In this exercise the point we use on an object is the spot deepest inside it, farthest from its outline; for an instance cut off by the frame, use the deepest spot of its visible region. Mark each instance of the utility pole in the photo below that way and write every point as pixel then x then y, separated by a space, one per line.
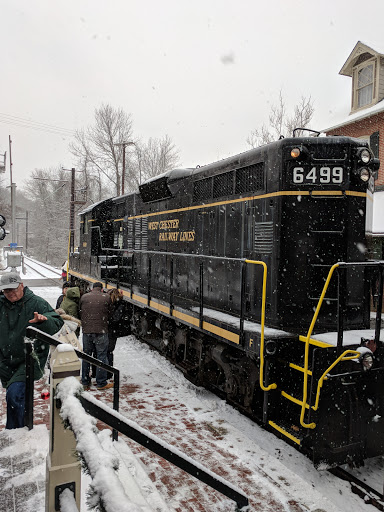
pixel 72 213
pixel 124 145
pixel 13 194
pixel 72 203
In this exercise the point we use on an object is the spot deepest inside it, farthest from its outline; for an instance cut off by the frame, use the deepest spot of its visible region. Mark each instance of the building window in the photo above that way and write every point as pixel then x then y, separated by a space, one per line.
pixel 364 89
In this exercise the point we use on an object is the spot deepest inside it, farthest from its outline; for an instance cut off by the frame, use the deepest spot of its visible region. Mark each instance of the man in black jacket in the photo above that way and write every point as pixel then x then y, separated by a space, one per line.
pixel 95 311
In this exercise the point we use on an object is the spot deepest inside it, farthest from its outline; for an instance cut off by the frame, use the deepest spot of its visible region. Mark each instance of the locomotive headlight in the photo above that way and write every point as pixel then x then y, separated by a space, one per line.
pixel 295 153
pixel 366 361
pixel 364 174
pixel 365 156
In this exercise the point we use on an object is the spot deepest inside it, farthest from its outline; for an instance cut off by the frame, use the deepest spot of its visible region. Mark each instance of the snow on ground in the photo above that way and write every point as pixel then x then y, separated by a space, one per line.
pixel 157 396
pixel 270 460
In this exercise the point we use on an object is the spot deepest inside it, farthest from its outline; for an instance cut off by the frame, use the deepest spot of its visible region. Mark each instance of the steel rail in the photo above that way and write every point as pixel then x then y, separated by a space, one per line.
pixel 370 495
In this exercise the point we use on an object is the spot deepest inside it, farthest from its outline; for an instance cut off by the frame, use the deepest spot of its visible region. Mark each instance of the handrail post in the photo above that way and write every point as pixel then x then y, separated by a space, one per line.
pixel 29 385
pixel 263 303
pixel 132 277
pixel 116 399
pixel 201 308
pixel 63 465
pixel 149 277
pixel 379 306
pixel 341 301
pixel 242 300
pixel 171 289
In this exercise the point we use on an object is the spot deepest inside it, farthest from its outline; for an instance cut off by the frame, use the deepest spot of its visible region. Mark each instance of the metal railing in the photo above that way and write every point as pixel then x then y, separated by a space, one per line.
pixel 341 310
pixel 118 423
pixel 34 333
pixel 201 257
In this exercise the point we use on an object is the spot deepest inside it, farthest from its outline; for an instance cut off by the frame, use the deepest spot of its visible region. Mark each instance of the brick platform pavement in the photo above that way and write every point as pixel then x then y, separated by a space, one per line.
pixel 172 422
pixel 20 457
pixel 169 419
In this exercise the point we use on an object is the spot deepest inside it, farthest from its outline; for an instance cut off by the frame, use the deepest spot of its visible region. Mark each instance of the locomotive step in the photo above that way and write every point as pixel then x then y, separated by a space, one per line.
pixel 288 429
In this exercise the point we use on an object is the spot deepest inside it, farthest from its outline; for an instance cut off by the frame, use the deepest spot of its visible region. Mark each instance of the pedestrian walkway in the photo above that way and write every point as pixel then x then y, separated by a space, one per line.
pixel 23 458
pixel 146 476
pixel 23 455
pixel 160 400
pixel 22 476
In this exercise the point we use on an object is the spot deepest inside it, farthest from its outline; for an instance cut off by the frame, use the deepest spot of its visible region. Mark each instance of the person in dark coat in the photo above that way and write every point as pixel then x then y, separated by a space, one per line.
pixel 66 285
pixel 114 325
pixel 20 308
pixel 95 310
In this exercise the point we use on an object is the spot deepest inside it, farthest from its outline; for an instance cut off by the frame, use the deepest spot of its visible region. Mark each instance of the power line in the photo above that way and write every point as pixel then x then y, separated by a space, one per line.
pixel 63 134
pixel 17 118
pixel 35 125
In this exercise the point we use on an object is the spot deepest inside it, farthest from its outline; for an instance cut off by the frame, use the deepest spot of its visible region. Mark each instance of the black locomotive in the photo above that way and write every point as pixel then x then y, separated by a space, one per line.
pixel 251 275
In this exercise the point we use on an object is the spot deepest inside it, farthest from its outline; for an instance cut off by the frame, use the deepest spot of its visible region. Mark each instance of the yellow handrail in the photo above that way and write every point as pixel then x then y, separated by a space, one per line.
pixel 264 293
pixel 342 357
pixel 306 353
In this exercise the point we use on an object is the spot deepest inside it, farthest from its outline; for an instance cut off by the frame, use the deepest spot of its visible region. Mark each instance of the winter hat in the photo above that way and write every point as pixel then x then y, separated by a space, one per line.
pixel 10 280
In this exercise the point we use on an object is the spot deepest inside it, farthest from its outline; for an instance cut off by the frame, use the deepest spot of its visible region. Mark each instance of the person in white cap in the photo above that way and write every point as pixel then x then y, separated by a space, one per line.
pixel 19 308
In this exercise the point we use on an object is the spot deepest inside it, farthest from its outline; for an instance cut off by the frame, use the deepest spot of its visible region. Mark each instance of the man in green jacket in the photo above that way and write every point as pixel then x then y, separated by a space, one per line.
pixel 19 308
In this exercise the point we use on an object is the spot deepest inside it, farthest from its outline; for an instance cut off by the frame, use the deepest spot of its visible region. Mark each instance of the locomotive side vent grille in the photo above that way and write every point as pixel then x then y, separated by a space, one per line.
pixel 249 179
pixel 130 235
pixel 141 234
pixel 202 190
pixel 144 234
pixel 223 184
pixel 137 234
pixel 264 237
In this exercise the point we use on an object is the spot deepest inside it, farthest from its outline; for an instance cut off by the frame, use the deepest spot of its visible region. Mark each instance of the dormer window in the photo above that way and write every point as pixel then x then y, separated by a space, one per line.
pixel 366 67
pixel 365 86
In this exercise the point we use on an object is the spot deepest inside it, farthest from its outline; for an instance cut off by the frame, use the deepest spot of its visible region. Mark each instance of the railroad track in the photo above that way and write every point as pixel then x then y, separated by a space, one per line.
pixel 40 265
pixel 370 495
pixel 32 265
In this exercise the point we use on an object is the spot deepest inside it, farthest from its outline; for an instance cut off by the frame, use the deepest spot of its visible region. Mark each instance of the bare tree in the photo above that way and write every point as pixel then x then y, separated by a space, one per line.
pixel 155 157
pixel 280 124
pixel 49 189
pixel 100 151
pixel 2 190
pixel 97 149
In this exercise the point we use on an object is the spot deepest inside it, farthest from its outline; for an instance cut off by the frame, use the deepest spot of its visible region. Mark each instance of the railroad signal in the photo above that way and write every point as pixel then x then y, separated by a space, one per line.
pixel 3 233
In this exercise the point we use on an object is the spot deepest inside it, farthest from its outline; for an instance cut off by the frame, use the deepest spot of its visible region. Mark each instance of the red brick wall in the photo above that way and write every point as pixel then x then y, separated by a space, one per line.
pixel 366 126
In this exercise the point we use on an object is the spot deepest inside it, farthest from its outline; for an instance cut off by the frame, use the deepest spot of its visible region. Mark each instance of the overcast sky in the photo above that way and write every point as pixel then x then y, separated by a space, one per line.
pixel 205 72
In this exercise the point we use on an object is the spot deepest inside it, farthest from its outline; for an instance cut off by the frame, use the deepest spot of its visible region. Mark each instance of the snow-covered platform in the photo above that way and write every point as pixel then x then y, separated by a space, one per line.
pixel 23 468
pixel 273 475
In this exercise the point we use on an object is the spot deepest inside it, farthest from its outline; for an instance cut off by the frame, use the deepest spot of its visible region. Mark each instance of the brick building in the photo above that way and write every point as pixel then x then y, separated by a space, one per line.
pixel 365 65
